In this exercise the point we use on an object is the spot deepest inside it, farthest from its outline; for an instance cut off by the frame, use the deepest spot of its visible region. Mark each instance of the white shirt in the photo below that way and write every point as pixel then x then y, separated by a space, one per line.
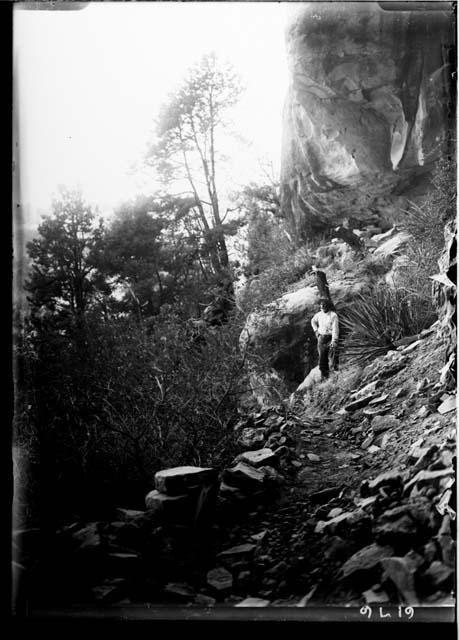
pixel 326 323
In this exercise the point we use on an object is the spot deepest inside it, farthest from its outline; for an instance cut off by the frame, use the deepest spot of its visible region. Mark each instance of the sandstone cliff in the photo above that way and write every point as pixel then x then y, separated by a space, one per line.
pixel 367 112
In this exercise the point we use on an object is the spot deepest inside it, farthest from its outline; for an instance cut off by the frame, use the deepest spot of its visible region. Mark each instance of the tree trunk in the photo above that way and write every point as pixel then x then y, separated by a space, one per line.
pixel 322 285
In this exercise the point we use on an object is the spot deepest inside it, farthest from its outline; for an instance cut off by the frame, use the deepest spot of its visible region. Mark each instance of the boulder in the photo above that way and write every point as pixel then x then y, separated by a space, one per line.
pixel 337 548
pixel 171 509
pixel 443 461
pixel 109 591
pixel 358 404
pixel 390 370
pixel 427 457
pixel 244 477
pixel 440 576
pixel 241 550
pixel 368 441
pixel 365 560
pixel 180 591
pixel 231 493
pixel 324 495
pixel 282 451
pixel 449 404
pixel 128 515
pixel 181 480
pixel 252 439
pixel 335 512
pixel 272 477
pixel 367 390
pixel 219 579
pixel 88 537
pixel 273 423
pixel 401 572
pixel 258 537
pixel 253 602
pixel 395 532
pixel 430 551
pixel 373 449
pixel 392 478
pixel 430 478
pixel 202 600
pixel 448 550
pixel 379 399
pixel 383 439
pixel 258 458
pixel 344 521
pixel 279 569
pixel 372 412
pixel 129 534
pixel 382 423
pixel 416 454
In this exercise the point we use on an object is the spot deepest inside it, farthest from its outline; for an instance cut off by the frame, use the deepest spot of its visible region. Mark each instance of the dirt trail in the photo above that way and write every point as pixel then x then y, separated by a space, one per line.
pixel 294 558
pixel 290 556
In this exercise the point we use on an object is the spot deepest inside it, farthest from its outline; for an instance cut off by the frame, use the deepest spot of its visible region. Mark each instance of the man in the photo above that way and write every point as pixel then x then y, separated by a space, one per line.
pixel 326 327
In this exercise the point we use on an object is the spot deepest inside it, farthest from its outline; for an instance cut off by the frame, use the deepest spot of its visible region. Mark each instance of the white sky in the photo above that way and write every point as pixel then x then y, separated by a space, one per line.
pixel 90 82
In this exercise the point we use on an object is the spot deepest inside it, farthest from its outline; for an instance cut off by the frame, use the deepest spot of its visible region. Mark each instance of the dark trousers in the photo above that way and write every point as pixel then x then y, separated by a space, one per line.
pixel 327 355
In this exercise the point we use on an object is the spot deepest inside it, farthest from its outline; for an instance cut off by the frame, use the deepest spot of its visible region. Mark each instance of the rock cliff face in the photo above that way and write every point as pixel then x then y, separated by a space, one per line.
pixel 367 111
pixel 284 333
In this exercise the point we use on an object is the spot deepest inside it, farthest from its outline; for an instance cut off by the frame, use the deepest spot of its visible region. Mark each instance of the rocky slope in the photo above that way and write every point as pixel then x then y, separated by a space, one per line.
pixel 365 116
pixel 345 499
pixel 281 332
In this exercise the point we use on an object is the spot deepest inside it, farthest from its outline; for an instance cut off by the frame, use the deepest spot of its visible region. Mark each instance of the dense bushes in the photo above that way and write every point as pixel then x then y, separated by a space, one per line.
pixel 102 420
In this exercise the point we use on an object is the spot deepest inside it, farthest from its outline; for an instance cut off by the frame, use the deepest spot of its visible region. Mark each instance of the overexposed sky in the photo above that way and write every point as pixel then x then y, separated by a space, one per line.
pixel 89 83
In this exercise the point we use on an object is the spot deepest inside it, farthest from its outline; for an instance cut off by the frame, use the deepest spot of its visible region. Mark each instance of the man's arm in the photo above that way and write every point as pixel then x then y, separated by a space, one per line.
pixel 335 330
pixel 315 323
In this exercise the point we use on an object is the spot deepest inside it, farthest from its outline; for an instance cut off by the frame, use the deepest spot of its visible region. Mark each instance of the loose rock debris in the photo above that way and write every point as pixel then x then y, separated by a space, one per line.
pixel 352 506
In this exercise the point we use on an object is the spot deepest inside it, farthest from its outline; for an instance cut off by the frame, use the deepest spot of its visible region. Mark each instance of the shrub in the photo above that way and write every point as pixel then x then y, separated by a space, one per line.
pixel 102 421
pixel 426 221
pixel 377 320
pixel 374 266
pixel 275 281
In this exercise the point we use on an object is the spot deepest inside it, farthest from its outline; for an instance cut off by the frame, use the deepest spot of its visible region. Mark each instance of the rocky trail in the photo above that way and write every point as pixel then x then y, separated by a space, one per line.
pixel 347 505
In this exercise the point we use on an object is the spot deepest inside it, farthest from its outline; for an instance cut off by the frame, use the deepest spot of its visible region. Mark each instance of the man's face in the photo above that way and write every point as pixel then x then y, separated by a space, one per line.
pixel 322 306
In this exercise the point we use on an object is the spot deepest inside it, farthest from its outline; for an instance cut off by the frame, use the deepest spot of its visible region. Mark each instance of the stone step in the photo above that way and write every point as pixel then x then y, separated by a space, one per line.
pixel 182 480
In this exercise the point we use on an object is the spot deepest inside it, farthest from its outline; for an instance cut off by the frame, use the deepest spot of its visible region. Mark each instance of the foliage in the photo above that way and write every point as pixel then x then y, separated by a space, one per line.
pixel 265 236
pixel 337 255
pixel 375 321
pixel 275 280
pixel 154 254
pixel 186 149
pixel 374 266
pixel 102 422
pixel 65 275
pixel 426 221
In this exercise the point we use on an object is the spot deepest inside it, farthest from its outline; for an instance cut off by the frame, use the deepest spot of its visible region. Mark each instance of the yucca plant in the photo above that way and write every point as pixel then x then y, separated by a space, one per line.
pixel 377 320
